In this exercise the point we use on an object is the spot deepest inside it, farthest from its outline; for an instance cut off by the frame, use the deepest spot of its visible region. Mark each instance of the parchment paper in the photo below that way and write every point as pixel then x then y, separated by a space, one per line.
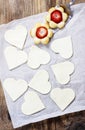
pixel 76 28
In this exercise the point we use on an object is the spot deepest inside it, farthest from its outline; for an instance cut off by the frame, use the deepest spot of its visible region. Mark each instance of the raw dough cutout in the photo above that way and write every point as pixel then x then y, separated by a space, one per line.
pixel 40 82
pixel 32 103
pixel 17 36
pixel 14 57
pixel 15 88
pixel 63 46
pixel 37 57
pixel 62 71
pixel 62 97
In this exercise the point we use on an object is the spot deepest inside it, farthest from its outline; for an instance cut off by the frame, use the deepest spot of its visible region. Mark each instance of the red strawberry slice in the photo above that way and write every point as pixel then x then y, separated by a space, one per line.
pixel 41 32
pixel 56 16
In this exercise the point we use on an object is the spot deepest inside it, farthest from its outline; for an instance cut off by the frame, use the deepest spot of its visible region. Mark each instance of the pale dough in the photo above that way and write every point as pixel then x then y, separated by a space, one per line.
pixel 16 36
pixel 40 82
pixel 62 97
pixel 63 46
pixel 15 88
pixel 14 57
pixel 62 71
pixel 32 103
pixel 37 57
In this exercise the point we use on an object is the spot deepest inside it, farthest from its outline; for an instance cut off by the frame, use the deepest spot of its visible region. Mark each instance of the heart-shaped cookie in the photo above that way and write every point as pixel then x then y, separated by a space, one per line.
pixel 62 97
pixel 62 71
pixel 40 82
pixel 32 103
pixel 37 57
pixel 15 88
pixel 63 46
pixel 17 36
pixel 14 57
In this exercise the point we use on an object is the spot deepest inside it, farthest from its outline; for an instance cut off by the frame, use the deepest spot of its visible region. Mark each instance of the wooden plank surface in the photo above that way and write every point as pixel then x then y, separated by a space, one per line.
pixel 14 9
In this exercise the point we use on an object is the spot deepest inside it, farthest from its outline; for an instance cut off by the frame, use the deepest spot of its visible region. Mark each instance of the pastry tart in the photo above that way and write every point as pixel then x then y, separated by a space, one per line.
pixel 41 33
pixel 56 17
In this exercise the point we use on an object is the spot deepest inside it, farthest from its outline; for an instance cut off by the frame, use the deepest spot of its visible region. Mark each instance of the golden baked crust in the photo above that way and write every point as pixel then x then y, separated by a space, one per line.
pixel 38 40
pixel 51 23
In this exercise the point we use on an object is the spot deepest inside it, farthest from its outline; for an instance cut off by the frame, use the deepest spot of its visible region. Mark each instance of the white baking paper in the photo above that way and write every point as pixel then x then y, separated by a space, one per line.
pixel 76 28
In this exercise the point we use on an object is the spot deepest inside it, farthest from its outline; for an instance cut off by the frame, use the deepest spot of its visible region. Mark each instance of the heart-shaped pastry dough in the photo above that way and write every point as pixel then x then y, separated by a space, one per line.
pixel 15 88
pixel 17 36
pixel 40 82
pixel 14 57
pixel 63 71
pixel 37 57
pixel 32 103
pixel 63 46
pixel 62 97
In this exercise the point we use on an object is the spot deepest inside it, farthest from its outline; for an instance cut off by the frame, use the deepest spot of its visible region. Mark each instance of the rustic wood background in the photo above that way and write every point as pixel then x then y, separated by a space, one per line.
pixel 14 9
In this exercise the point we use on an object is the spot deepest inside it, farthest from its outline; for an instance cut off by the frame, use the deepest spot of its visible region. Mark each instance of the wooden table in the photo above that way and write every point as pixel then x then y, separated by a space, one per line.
pixel 14 9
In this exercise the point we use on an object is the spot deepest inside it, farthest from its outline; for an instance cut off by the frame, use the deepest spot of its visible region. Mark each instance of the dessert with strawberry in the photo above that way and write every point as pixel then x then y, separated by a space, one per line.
pixel 41 33
pixel 56 17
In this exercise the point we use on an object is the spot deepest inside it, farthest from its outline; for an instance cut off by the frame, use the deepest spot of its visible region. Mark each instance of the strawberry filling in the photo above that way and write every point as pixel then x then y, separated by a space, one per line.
pixel 56 16
pixel 41 32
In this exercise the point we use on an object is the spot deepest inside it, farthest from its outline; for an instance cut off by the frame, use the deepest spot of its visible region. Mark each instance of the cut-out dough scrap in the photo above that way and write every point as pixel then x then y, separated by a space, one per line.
pixel 17 36
pixel 40 82
pixel 62 97
pixel 14 57
pixel 62 71
pixel 37 57
pixel 15 88
pixel 32 103
pixel 63 46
